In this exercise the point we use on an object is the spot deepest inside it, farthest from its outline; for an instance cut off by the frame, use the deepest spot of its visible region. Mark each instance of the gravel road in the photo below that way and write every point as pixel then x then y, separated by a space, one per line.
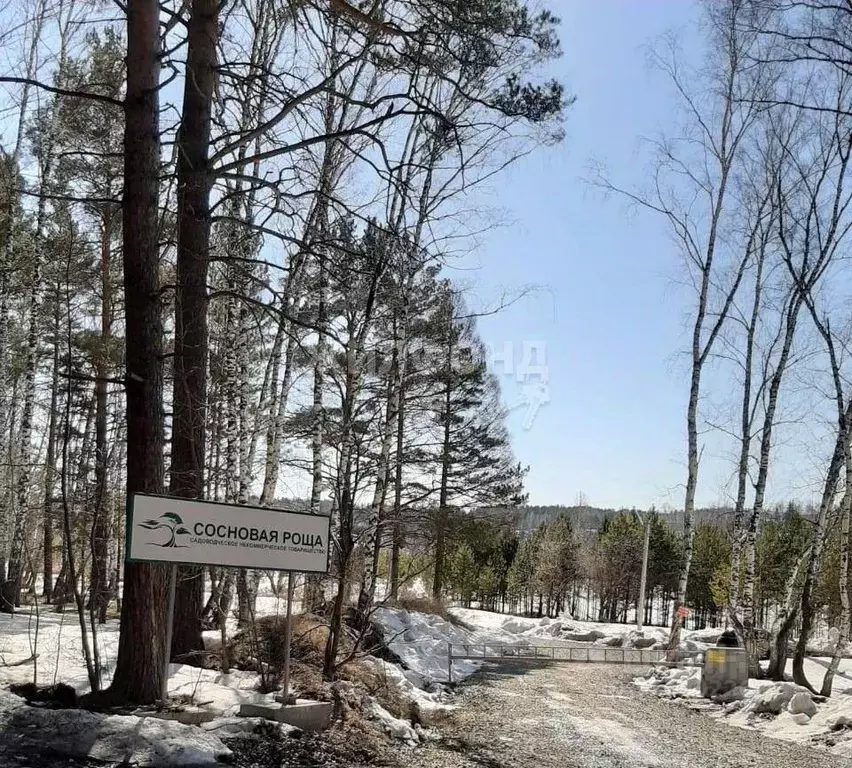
pixel 589 716
pixel 561 716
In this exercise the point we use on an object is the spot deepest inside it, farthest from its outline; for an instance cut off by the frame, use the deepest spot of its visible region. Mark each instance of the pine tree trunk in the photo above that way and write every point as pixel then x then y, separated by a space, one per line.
pixel 141 651
pixel 344 553
pixel 373 543
pixel 313 596
pixel 396 536
pixel 50 461
pixel 443 500
pixel 193 259
pixel 101 524
pixel 246 580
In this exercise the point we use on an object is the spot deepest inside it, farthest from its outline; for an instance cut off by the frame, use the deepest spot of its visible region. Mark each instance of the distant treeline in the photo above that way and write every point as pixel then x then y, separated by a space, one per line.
pixel 587 518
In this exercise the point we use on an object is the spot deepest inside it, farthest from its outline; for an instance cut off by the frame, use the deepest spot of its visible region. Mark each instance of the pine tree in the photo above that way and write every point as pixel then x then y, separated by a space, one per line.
pixel 473 456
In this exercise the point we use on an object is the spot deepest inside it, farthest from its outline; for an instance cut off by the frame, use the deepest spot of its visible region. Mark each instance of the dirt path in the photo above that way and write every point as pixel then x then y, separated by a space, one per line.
pixel 583 716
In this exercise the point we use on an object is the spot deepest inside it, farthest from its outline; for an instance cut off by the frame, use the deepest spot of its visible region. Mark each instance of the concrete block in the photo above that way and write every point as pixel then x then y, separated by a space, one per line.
pixel 187 715
pixel 307 715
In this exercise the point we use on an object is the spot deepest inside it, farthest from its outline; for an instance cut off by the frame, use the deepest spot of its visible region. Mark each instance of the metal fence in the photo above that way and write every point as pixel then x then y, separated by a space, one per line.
pixel 505 652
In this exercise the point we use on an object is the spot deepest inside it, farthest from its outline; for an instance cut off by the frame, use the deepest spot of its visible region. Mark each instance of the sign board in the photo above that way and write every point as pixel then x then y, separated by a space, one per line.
pixel 683 612
pixel 167 529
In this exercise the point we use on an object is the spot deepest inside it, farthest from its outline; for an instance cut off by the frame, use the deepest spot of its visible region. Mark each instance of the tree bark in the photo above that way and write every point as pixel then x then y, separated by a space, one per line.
pixel 843 639
pixel 141 648
pixel 443 499
pixel 101 523
pixel 820 529
pixel 186 475
pixel 50 459
pixel 373 543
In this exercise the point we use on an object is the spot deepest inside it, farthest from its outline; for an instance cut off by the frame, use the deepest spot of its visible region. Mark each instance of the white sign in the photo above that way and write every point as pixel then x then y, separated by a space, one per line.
pixel 172 530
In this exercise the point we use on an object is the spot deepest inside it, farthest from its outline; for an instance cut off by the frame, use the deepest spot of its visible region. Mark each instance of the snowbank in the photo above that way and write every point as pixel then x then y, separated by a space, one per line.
pixel 781 710
pixel 76 733
pixel 142 741
pixel 505 628
pixel 60 660
pixel 420 640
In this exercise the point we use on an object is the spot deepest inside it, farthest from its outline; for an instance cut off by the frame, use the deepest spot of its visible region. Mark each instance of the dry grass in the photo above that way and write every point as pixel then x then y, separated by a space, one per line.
pixel 425 605
pixel 309 637
pixel 433 607
pixel 267 645
pixel 369 680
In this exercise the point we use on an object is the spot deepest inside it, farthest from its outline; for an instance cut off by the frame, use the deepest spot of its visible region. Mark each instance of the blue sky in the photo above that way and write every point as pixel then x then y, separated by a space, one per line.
pixel 608 310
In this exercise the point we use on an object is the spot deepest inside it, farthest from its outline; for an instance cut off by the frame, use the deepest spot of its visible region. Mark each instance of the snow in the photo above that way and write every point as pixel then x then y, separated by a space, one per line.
pixel 210 688
pixel 503 628
pixel 781 710
pixel 58 645
pixel 142 741
pixel 398 729
pixel 61 660
pixel 420 640
pixel 410 684
pixel 78 733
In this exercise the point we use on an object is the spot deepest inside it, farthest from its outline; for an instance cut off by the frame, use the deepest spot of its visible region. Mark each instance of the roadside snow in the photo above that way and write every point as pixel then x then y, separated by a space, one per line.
pixel 60 660
pixel 142 741
pixel 781 710
pixel 410 684
pixel 505 628
pixel 420 640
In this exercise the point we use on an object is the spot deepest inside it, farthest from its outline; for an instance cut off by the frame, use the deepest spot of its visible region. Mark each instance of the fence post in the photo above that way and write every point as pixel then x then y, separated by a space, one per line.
pixel 449 662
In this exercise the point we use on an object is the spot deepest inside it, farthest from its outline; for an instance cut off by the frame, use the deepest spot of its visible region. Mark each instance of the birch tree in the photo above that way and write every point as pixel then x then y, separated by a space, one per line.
pixel 692 189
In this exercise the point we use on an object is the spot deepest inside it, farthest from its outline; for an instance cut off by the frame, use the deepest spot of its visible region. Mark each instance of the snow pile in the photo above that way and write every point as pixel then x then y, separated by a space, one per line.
pixel 672 682
pixel 503 628
pixel 209 688
pixel 142 741
pixel 393 726
pixel 411 685
pixel 420 640
pixel 782 710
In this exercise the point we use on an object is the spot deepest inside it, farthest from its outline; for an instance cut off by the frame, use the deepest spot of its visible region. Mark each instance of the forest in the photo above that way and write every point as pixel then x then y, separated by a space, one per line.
pixel 224 229
pixel 563 569
pixel 227 232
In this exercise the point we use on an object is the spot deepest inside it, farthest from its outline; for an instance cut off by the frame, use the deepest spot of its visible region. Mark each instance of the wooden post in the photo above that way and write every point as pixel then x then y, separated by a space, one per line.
pixel 449 662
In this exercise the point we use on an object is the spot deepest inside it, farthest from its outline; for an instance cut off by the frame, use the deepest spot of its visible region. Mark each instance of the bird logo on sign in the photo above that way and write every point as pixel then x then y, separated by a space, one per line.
pixel 171 522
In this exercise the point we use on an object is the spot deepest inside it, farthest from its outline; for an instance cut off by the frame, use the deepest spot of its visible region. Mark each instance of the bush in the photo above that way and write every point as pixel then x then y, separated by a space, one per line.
pixel 425 605
pixel 266 645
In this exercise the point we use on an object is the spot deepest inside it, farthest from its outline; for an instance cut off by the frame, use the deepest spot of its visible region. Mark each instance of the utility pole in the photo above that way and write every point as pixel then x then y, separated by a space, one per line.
pixel 640 604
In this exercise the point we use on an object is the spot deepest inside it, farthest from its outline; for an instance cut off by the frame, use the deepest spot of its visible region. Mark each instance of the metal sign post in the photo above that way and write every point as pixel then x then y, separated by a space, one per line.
pixel 288 634
pixel 170 628
pixel 176 531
